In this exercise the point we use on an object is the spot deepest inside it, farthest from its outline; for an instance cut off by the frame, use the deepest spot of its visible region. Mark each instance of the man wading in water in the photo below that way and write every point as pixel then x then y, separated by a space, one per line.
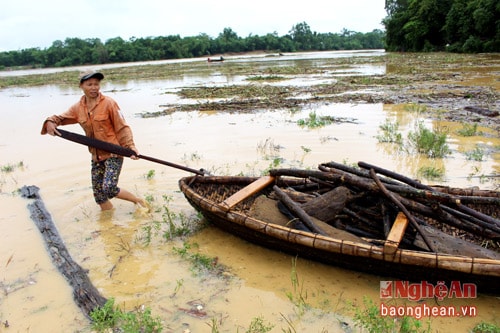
pixel 100 118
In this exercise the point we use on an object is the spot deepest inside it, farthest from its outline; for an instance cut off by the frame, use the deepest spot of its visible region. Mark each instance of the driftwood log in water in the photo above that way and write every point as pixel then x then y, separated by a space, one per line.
pixel 85 294
pixel 482 111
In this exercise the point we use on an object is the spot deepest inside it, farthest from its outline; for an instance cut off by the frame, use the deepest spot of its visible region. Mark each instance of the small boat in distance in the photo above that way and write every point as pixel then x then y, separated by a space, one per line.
pixel 361 220
pixel 216 59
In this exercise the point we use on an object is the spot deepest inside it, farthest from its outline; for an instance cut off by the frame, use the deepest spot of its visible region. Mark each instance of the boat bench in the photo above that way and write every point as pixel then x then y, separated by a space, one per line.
pixel 396 234
pixel 247 191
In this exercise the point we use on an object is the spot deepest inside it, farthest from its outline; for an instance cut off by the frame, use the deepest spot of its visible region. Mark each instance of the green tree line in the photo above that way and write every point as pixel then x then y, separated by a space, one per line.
pixel 469 26
pixel 76 51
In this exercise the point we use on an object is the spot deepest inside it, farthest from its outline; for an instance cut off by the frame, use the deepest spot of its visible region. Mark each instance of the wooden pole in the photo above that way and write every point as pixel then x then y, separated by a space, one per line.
pixel 403 209
pixel 299 212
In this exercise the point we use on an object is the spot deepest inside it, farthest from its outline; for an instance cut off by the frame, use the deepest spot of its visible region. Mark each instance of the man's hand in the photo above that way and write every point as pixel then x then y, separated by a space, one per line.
pixel 52 128
pixel 136 156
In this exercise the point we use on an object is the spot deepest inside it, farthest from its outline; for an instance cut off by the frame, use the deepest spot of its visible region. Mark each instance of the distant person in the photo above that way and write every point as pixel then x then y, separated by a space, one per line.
pixel 100 118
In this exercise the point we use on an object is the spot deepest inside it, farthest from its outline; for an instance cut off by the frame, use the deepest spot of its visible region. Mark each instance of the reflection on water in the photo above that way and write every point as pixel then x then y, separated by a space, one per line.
pixel 111 245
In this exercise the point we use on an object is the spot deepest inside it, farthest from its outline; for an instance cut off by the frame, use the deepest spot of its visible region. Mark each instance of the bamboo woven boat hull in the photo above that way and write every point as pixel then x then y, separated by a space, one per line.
pixel 209 195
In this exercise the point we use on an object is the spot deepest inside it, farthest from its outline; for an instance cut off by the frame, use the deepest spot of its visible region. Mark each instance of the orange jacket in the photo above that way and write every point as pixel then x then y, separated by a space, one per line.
pixel 104 122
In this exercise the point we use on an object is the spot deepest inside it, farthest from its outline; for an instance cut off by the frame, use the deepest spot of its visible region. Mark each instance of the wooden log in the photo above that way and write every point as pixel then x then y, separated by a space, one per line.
pixel 396 234
pixel 466 222
pixel 476 227
pixel 445 243
pixel 394 175
pixel 247 191
pixel 333 166
pixel 298 211
pixel 469 191
pixel 386 221
pixel 362 183
pixel 86 296
pixel 430 193
pixel 297 196
pixel 369 225
pixel 269 210
pixel 487 223
pixel 327 206
pixel 482 111
pixel 403 209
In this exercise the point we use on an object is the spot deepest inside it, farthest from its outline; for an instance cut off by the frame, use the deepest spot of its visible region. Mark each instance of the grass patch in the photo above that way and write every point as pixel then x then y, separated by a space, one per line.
pixel 390 133
pixel 415 108
pixel 258 325
pixel 431 173
pixel 431 143
pixel 486 328
pixel 468 130
pixel 316 121
pixel 246 91
pixel 200 262
pixel 266 78
pixel 298 296
pixel 7 168
pixel 150 174
pixel 369 318
pixel 111 318
pixel 170 224
pixel 477 154
pixel 268 149
pixel 274 164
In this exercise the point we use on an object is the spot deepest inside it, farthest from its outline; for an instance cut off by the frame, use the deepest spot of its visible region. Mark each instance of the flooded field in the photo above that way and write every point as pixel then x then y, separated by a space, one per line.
pixel 255 282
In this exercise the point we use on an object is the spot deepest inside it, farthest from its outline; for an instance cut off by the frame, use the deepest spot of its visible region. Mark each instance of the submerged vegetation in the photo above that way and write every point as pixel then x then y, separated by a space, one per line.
pixel 431 143
pixel 315 121
pixel 369 318
pixel 486 328
pixel 111 317
pixel 390 133
pixel 430 139
pixel 419 140
pixel 7 168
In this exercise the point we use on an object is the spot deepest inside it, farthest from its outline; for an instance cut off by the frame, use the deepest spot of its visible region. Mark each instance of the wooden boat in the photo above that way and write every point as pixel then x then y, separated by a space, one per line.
pixel 364 219
pixel 220 59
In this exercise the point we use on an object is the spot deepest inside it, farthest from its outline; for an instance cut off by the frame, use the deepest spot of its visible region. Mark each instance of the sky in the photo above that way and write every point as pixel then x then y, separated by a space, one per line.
pixel 34 23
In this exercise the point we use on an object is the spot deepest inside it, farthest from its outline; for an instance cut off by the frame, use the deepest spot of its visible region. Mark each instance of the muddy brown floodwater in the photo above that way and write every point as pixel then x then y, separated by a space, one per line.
pixel 256 283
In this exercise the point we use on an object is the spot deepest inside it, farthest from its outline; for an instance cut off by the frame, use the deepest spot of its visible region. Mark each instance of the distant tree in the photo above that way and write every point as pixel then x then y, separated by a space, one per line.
pixel 99 53
pixel 76 51
pixel 373 40
pixel 302 36
pixel 228 41
pixel 434 25
pixel 116 48
pixel 198 46
pixel 393 7
pixel 473 26
pixel 55 53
